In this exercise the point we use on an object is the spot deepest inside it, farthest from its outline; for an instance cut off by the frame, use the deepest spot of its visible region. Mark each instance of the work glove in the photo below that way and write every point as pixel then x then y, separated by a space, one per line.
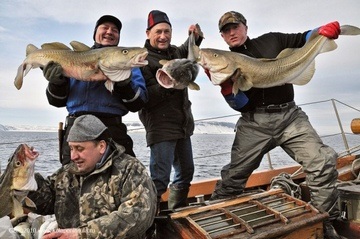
pixel 330 30
pixel 53 72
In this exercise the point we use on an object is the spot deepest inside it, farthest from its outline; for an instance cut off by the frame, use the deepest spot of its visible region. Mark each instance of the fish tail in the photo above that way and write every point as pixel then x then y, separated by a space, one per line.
pixel 349 30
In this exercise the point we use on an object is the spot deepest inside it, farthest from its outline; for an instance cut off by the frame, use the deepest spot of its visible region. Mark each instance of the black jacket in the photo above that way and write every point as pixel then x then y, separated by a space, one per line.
pixel 269 46
pixel 167 115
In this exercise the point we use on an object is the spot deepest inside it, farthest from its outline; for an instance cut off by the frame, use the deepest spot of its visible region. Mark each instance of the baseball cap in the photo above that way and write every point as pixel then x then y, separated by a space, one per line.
pixel 231 17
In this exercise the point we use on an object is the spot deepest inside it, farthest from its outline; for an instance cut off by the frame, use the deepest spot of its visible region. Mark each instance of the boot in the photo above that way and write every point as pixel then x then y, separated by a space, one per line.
pixel 330 232
pixel 177 197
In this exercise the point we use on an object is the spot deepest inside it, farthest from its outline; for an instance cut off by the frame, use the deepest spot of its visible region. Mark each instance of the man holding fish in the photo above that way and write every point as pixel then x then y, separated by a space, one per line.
pixel 102 193
pixel 270 118
pixel 92 97
pixel 167 115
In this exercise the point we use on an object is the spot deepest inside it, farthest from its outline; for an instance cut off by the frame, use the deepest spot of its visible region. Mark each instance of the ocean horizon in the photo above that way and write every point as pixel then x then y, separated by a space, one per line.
pixel 211 151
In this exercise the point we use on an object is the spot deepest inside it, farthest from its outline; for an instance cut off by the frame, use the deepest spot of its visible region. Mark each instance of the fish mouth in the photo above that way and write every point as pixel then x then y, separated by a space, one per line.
pixel 140 59
pixel 30 152
pixel 164 79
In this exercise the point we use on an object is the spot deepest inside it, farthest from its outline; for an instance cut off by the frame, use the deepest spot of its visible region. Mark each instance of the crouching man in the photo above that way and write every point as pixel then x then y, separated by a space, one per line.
pixel 102 193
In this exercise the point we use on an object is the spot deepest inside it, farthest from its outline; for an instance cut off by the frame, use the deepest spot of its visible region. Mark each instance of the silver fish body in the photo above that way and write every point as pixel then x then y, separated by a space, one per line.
pixel 295 66
pixel 84 63
pixel 181 73
pixel 17 179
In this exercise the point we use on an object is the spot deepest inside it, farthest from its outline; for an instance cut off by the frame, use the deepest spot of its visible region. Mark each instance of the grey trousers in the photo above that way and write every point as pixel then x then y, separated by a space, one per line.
pixel 258 133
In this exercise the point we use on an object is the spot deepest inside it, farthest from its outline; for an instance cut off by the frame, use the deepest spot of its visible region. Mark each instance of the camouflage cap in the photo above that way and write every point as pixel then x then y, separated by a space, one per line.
pixel 231 17
pixel 86 128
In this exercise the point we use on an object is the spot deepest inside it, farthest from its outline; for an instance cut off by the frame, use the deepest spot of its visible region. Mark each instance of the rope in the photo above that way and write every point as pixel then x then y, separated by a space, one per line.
pixel 284 181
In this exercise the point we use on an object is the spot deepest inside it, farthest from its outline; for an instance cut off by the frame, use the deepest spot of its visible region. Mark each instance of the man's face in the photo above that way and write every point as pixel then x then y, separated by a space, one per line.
pixel 87 154
pixel 107 34
pixel 160 36
pixel 234 34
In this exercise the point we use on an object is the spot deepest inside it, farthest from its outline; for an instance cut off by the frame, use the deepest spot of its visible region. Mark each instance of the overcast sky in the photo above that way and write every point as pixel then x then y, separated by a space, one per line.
pixel 40 21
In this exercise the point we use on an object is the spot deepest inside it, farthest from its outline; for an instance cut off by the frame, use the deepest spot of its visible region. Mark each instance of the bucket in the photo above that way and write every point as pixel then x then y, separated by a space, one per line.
pixel 349 203
pixel 355 126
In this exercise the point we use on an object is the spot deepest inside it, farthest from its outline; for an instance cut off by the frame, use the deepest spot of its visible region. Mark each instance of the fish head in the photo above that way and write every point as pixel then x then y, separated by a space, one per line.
pixel 177 73
pixel 122 58
pixel 22 166
pixel 219 64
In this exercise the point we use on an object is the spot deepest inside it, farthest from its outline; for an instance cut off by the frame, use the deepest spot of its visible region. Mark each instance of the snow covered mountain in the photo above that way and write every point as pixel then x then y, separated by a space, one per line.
pixel 202 127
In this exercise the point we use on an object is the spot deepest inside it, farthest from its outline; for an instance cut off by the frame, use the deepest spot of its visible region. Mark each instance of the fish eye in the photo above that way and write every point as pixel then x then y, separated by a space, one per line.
pixel 216 55
pixel 125 51
pixel 17 163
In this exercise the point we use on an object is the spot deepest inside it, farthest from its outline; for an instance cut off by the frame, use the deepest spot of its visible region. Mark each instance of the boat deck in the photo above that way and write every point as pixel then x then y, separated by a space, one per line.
pixel 269 214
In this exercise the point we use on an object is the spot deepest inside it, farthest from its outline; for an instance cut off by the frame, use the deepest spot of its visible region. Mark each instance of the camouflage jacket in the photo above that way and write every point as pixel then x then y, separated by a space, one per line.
pixel 117 200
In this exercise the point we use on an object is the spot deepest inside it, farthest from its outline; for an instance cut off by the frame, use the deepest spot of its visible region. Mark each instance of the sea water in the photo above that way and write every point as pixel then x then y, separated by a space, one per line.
pixel 211 151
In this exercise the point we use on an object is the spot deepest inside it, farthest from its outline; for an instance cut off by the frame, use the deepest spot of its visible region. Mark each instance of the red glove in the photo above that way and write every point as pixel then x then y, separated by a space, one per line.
pixel 226 87
pixel 330 30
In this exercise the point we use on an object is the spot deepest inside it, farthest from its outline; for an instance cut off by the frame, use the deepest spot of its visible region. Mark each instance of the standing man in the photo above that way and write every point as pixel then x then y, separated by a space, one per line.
pixel 270 118
pixel 102 193
pixel 90 97
pixel 167 116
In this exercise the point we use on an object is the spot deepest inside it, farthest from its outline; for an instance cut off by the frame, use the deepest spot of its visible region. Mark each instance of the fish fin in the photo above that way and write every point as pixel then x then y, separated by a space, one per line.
pixel 163 62
pixel 193 86
pixel 329 45
pixel 17 209
pixel 21 73
pixel 109 85
pixel 54 46
pixel 19 76
pixel 29 203
pixel 349 30
pixel 78 46
pixel 30 48
pixel 305 76
pixel 243 84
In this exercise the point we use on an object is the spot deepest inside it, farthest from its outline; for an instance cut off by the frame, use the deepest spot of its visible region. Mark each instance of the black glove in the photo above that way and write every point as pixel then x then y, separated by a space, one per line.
pixel 53 72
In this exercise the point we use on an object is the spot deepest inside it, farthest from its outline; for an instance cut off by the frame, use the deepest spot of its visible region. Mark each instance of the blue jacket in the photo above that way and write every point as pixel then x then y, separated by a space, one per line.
pixel 93 97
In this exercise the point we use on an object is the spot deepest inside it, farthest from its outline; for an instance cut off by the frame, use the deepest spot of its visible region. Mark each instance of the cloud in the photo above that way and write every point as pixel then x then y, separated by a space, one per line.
pixel 39 21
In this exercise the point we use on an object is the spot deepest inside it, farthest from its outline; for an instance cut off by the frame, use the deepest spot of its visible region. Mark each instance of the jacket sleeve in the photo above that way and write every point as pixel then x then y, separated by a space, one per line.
pixel 57 95
pixel 136 211
pixel 132 91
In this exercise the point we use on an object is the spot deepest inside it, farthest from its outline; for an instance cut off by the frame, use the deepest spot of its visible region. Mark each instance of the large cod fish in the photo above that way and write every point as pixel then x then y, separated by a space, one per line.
pixel 17 179
pixel 181 73
pixel 83 63
pixel 292 65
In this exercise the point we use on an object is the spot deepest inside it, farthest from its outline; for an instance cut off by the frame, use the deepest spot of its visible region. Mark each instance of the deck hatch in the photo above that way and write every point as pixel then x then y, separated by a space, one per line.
pixel 244 218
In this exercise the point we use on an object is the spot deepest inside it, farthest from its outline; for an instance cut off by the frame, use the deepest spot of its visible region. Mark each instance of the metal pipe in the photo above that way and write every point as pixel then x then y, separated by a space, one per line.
pixel 340 125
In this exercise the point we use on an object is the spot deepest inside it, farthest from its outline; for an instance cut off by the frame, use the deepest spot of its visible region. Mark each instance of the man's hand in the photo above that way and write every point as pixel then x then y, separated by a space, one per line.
pixel 70 233
pixel 330 30
pixel 53 72
pixel 197 31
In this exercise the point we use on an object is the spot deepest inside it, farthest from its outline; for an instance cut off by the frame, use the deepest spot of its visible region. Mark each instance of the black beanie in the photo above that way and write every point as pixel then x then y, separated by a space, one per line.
pixel 107 18
pixel 155 17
